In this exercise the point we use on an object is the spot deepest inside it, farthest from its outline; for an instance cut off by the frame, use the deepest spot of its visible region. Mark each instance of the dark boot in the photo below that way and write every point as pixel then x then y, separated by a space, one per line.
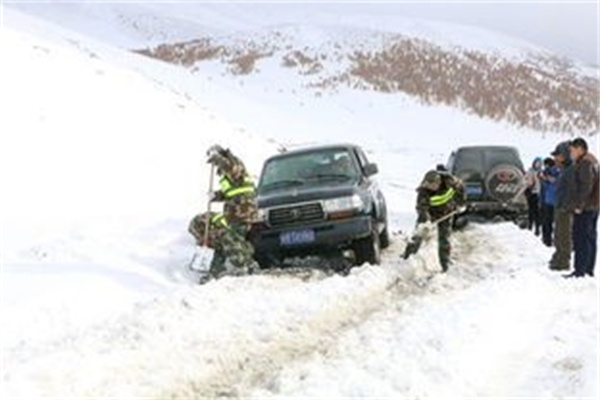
pixel 561 259
pixel 573 275
pixel 559 266
pixel 445 266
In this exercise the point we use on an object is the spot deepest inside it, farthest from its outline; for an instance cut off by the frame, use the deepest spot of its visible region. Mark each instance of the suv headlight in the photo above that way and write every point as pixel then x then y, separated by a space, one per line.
pixel 347 203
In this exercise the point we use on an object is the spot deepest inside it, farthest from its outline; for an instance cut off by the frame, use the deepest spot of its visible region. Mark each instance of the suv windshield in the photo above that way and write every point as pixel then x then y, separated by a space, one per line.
pixel 302 168
pixel 483 160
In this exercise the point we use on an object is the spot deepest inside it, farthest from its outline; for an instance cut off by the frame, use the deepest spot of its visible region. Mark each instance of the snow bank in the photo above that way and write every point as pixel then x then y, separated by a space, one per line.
pixel 101 170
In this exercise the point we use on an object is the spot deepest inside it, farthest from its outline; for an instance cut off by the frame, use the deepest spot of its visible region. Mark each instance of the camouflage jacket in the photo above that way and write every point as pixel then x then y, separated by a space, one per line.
pixel 432 205
pixel 236 190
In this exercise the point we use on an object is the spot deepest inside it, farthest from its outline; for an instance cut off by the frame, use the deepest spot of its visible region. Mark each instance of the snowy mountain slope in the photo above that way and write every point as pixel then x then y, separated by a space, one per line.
pixel 481 72
pixel 101 171
pixel 95 297
pixel 399 133
pixel 538 90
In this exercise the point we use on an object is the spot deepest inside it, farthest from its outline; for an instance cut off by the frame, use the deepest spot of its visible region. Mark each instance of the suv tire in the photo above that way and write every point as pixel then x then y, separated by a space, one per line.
pixel 267 261
pixel 368 250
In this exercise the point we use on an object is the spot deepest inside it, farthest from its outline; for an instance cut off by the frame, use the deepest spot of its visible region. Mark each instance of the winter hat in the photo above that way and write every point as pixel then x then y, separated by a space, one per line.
pixel 562 148
pixel 432 179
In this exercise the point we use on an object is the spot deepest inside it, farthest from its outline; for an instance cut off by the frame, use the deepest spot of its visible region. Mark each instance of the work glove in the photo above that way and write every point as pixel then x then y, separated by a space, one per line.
pixel 423 217
pixel 217 196
pixel 424 229
pixel 215 159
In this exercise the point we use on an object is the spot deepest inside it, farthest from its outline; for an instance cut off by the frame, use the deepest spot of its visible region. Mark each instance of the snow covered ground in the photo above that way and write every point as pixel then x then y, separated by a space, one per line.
pixel 102 165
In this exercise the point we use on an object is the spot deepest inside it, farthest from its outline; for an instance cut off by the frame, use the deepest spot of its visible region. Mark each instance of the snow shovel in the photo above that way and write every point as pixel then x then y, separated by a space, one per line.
pixel 422 230
pixel 204 255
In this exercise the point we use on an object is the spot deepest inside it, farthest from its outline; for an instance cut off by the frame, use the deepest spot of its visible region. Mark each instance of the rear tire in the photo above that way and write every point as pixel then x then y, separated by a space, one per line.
pixel 384 238
pixel 267 261
pixel 522 222
pixel 368 250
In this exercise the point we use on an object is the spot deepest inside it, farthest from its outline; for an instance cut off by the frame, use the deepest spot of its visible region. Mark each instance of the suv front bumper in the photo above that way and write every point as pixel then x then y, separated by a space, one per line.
pixel 328 235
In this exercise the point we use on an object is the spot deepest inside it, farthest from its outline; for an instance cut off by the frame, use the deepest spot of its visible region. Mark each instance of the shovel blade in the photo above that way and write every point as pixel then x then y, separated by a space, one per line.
pixel 202 259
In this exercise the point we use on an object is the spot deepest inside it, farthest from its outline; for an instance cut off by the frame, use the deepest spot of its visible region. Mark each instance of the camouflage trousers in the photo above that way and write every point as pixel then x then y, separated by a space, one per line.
pixel 444 246
pixel 232 251
pixel 444 229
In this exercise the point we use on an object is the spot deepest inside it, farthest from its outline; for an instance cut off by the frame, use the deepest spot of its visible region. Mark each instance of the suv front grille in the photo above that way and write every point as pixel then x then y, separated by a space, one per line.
pixel 295 214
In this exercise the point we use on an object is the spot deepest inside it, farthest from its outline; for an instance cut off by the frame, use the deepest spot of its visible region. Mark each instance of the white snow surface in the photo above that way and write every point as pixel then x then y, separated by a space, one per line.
pixel 102 166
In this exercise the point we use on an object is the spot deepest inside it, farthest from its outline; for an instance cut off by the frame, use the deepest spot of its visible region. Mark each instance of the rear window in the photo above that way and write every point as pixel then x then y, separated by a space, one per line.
pixel 483 160
pixel 467 160
pixel 502 156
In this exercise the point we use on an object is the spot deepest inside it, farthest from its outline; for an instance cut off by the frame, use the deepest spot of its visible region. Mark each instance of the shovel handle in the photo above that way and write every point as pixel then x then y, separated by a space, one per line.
pixel 445 217
pixel 211 180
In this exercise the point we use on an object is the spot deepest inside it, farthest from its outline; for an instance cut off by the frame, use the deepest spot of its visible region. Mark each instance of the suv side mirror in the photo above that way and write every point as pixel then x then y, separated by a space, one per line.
pixel 371 169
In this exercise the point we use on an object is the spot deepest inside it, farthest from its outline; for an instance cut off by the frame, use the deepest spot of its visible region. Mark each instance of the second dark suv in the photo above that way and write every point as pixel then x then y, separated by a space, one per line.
pixel 319 201
pixel 494 181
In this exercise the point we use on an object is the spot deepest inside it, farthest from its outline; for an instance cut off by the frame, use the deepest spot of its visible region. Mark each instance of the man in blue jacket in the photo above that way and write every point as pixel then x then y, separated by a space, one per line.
pixel 548 179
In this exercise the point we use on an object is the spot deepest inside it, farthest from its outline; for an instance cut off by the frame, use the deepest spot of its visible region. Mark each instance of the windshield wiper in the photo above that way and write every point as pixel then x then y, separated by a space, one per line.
pixel 285 182
pixel 332 176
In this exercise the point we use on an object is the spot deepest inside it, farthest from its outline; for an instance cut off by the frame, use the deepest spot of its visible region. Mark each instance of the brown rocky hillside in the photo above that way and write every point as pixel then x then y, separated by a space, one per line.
pixel 542 92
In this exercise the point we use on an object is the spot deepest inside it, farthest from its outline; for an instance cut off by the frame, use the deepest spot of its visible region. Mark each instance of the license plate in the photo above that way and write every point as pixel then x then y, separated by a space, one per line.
pixel 294 238
pixel 474 190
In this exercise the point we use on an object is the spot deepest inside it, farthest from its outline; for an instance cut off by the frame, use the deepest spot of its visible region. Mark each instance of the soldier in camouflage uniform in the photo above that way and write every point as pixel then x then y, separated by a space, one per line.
pixel 232 251
pixel 237 190
pixel 439 194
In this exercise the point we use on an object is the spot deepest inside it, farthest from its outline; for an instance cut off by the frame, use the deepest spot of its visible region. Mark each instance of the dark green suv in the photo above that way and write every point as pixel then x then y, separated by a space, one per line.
pixel 320 201
pixel 494 181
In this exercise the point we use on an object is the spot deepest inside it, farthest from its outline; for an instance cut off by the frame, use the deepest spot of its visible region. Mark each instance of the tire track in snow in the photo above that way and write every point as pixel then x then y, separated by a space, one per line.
pixel 490 339
pixel 260 366
pixel 225 337
pixel 198 343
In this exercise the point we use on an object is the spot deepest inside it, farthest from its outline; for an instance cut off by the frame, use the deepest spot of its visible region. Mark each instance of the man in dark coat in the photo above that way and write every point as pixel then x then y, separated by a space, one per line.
pixel 563 208
pixel 585 207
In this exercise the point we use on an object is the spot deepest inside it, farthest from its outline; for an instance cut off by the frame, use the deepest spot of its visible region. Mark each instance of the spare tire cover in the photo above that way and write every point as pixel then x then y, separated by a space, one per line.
pixel 505 182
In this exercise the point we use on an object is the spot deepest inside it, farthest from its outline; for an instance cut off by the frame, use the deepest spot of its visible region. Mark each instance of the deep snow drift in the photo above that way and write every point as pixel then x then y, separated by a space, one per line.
pixel 102 165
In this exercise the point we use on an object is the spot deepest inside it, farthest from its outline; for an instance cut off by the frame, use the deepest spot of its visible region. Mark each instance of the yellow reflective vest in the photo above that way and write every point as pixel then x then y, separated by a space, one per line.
pixel 219 219
pixel 443 198
pixel 229 190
